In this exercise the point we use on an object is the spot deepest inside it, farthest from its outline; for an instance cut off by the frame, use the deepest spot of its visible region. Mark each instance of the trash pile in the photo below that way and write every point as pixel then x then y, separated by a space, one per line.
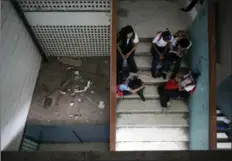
pixel 74 86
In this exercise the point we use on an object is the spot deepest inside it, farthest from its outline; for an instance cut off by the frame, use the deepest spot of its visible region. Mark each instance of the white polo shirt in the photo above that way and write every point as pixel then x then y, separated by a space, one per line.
pixel 161 42
pixel 136 39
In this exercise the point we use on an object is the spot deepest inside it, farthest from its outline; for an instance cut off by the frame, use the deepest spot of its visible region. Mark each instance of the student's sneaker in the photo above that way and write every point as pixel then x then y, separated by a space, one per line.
pixel 164 75
pixel 154 75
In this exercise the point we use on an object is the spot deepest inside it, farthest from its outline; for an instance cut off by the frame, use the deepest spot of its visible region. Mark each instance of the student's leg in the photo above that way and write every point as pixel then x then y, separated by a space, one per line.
pixel 155 61
pixel 125 93
pixel 141 95
pixel 119 62
pixel 131 63
pixel 167 62
pixel 177 66
pixel 190 6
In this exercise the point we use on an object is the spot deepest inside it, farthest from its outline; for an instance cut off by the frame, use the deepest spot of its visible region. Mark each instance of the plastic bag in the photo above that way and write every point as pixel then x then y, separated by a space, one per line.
pixel 125 64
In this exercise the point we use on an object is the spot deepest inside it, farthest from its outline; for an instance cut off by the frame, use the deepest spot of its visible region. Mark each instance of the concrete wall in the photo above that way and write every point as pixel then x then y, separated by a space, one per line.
pixel 224 40
pixel 199 101
pixel 86 147
pixel 224 97
pixel 19 66
pixel 64 133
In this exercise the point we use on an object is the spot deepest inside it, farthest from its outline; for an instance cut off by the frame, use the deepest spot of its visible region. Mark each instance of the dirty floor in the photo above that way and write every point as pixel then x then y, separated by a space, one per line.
pixel 56 99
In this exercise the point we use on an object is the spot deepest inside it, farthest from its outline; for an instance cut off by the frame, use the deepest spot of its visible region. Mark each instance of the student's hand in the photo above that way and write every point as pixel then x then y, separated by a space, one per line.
pixel 123 56
pixel 161 56
pixel 127 55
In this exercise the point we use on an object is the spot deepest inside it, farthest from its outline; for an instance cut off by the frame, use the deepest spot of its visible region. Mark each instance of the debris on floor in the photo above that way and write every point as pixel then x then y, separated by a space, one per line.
pixel 72 93
pixel 71 104
pixel 71 62
pixel 101 105
pixel 47 102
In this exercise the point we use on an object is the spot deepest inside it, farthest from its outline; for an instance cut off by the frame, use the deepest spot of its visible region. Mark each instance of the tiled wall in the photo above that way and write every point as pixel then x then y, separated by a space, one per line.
pixel 19 66
pixel 199 62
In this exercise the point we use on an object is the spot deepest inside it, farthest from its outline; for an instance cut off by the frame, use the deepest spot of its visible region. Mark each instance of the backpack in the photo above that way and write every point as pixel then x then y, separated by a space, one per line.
pixel 119 92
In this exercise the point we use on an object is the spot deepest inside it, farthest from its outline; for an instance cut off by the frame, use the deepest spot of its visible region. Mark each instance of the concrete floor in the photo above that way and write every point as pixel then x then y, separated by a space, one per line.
pixel 85 105
pixel 148 17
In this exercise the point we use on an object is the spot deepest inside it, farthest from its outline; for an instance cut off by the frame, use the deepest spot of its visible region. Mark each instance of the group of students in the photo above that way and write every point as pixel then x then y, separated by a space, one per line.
pixel 167 49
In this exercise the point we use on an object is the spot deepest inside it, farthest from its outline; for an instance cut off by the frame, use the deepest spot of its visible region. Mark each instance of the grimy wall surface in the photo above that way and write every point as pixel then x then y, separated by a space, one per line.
pixel 19 66
pixel 199 101
pixel 224 40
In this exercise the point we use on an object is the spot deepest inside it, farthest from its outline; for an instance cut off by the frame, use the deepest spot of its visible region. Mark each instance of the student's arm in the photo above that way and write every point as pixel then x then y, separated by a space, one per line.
pixel 132 50
pixel 135 41
pixel 136 90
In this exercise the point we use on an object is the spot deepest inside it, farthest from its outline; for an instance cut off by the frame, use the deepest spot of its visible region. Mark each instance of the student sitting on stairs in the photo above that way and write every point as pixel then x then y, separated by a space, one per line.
pixel 127 41
pixel 178 49
pixel 179 87
pixel 159 50
pixel 128 85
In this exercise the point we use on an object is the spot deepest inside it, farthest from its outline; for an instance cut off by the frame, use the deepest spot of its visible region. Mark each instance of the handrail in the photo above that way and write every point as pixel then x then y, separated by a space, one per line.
pixel 212 80
pixel 113 76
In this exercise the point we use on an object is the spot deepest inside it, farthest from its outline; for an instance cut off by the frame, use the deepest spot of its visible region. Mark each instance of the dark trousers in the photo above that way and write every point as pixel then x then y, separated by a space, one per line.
pixel 166 95
pixel 192 4
pixel 169 60
pixel 130 60
pixel 156 59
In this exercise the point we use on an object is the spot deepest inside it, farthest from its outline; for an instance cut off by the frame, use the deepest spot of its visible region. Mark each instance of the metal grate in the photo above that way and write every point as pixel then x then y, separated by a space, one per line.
pixel 65 5
pixel 74 41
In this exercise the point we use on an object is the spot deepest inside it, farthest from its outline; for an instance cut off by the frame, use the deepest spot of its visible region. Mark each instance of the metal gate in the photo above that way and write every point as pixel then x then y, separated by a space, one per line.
pixel 74 28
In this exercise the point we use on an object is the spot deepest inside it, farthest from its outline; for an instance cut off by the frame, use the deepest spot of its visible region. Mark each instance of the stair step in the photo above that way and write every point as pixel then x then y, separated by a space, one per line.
pixel 143 47
pixel 150 146
pixel 146 77
pixel 145 39
pixel 150 91
pixel 144 62
pixel 137 106
pixel 152 120
pixel 221 135
pixel 224 146
pixel 151 134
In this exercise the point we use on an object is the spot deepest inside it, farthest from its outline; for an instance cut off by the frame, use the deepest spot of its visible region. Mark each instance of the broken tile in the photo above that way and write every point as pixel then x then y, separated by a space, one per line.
pixel 71 62
pixel 92 92
pixel 71 104
pixel 76 73
pixel 101 105
pixel 47 102
pixel 63 92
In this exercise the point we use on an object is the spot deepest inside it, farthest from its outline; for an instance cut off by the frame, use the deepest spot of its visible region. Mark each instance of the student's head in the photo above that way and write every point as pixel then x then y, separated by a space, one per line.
pixel 124 74
pixel 128 32
pixel 184 43
pixel 167 36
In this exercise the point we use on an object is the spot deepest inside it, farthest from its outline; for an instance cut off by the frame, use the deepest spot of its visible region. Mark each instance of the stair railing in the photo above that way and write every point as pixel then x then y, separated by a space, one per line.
pixel 113 75
pixel 212 78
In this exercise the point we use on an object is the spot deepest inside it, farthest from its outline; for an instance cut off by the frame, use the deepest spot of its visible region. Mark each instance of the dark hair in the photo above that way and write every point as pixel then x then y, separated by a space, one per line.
pixel 123 33
pixel 167 35
pixel 123 75
pixel 184 43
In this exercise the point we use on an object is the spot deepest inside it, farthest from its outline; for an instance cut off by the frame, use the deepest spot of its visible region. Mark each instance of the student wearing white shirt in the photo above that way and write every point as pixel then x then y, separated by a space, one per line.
pixel 180 46
pixel 127 42
pixel 160 47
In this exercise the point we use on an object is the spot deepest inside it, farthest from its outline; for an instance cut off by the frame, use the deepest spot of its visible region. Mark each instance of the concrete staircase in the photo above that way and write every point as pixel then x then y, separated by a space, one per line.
pixel 143 126
pixel 224 132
